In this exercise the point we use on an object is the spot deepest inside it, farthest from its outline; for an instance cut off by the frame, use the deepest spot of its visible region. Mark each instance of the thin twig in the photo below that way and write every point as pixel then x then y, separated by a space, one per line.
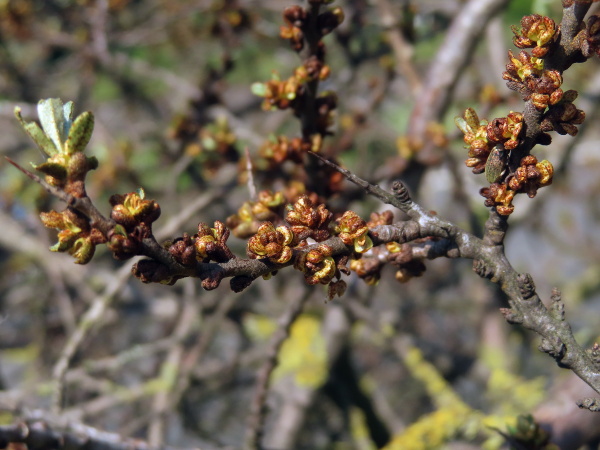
pixel 90 319
pixel 258 408
pixel 402 50
pixel 170 365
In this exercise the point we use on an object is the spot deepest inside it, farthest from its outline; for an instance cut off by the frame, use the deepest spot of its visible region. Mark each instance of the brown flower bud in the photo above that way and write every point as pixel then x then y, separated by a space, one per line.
pixel 536 31
pixel 384 218
pixel 131 209
pixel 353 230
pixel 369 269
pixel 272 243
pixel 182 249
pixel 318 265
pixel 307 221
pixel 75 236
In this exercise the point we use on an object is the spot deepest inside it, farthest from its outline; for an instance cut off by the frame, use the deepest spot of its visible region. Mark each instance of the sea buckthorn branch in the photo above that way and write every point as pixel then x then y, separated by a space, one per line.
pixel 273 246
pixel 489 261
pixel 40 430
pixel 501 148
pixel 205 255
pixel 304 28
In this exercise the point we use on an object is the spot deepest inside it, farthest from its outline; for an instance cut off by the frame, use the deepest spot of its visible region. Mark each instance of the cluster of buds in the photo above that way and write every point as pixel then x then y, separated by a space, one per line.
pixel 564 116
pixel 296 19
pixel 209 244
pixel 279 94
pixel 401 256
pixel 506 130
pixel 353 230
pixel 500 196
pixel 307 220
pixel 215 145
pixel 537 32
pixel 75 236
pixel 250 215
pixel 503 133
pixel 317 265
pixel 277 150
pixel 272 243
pixel 526 74
pixel 134 216
pixel 531 175
pixel 63 141
pixel 476 137
pixel 528 178
pixel 283 94
pixel 368 269
pixel 383 218
pixel 303 27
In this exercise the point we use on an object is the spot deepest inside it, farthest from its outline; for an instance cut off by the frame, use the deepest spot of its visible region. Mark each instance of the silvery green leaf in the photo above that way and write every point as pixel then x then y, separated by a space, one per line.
pixel 52 118
pixel 68 115
pixel 80 133
pixel 462 125
pixel 35 132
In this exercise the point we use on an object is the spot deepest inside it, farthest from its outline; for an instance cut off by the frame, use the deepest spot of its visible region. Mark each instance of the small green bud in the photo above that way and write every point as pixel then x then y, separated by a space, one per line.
pixel 259 89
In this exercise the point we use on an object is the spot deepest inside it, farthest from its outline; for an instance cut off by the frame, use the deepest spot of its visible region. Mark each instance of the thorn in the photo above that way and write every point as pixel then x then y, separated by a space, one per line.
pixel 25 171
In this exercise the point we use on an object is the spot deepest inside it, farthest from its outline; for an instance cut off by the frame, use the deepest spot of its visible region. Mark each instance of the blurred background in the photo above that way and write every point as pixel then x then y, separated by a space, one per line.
pixel 430 362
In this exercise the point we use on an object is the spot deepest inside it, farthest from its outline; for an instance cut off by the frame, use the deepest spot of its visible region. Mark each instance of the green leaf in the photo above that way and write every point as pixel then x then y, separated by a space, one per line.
pixel 80 133
pixel 35 132
pixel 52 117
pixel 55 170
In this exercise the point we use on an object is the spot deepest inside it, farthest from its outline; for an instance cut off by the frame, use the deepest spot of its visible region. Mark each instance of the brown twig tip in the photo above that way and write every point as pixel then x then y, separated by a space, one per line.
pixel 25 171
pixel 239 283
pixel 59 193
pixel 592 404
pixel 526 285
pixel 151 271
pixel 400 191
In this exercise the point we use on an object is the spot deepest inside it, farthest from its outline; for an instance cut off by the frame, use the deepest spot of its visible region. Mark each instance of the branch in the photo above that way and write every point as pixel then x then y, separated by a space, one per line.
pixel 258 411
pixel 489 261
pixel 44 431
